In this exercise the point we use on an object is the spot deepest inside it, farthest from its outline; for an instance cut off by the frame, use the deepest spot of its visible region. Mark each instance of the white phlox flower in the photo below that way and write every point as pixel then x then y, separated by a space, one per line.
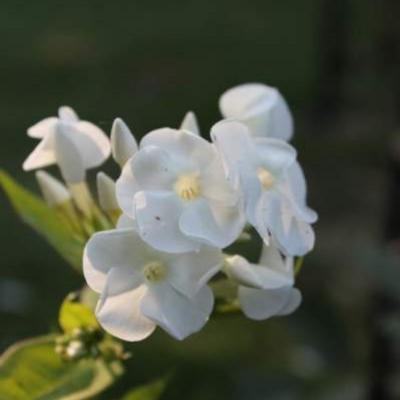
pixel 175 189
pixel 262 108
pixel 89 140
pixel 141 287
pixel 272 184
pixel 265 289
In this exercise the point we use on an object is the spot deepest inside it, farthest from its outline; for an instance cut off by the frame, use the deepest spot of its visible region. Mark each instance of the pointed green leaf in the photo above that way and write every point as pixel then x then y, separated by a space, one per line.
pixel 32 370
pixel 150 391
pixel 44 220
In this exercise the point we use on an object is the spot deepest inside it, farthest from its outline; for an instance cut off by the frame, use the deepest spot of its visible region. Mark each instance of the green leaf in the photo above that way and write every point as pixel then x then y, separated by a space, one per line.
pixel 74 314
pixel 44 220
pixel 32 370
pixel 150 391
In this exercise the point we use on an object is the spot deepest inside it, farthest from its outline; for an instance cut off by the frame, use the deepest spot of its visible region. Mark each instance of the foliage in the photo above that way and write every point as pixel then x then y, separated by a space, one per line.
pixel 33 370
pixel 44 220
pixel 150 391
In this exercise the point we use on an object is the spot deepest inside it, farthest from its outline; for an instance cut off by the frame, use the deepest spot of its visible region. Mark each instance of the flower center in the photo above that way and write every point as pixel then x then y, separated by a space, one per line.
pixel 187 187
pixel 154 271
pixel 265 177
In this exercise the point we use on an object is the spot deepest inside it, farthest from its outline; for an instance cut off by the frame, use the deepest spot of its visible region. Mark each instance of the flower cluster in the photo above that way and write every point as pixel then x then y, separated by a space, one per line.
pixel 179 202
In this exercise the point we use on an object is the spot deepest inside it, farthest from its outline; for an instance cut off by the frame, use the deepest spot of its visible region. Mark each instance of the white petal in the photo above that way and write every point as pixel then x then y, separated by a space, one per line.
pixel 272 258
pixel 157 215
pixel 121 315
pixel 106 192
pixel 154 169
pixel 275 155
pixel 189 272
pixel 123 143
pixel 179 315
pixel 67 114
pixel 257 276
pixel 293 302
pixel 211 223
pixel 261 304
pixel 42 156
pixel 189 123
pixel 120 248
pixel 125 222
pixel 92 142
pixel 43 128
pixel 271 118
pixel 121 279
pixel 299 240
pixel 236 101
pixel 293 236
pixel 281 120
pixel 126 187
pixel 68 155
pixel 215 186
pixel 189 150
pixel 54 192
pixel 261 107
pixel 235 144
pixel 297 182
pixel 294 188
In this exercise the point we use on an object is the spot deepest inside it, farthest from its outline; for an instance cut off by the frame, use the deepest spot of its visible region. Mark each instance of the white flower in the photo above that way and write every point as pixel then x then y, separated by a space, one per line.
pixel 141 287
pixel 262 108
pixel 123 143
pixel 175 189
pixel 90 141
pixel 272 183
pixel 189 123
pixel 265 289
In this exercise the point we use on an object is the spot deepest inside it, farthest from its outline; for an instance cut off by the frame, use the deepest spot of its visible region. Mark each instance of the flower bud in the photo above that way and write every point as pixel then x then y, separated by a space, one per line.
pixel 106 192
pixel 123 143
pixel 262 108
pixel 189 123
pixel 67 155
pixel 67 114
pixel 53 191
pixel 75 349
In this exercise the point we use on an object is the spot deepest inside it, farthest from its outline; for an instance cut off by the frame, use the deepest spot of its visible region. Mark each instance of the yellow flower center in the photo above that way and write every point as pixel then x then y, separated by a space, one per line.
pixel 154 271
pixel 187 187
pixel 265 177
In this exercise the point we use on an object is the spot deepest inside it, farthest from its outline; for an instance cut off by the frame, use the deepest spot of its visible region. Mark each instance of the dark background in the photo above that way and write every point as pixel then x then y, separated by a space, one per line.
pixel 337 64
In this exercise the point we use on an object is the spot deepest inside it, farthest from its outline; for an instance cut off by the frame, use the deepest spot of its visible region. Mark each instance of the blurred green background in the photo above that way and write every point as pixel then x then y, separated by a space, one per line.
pixel 338 65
